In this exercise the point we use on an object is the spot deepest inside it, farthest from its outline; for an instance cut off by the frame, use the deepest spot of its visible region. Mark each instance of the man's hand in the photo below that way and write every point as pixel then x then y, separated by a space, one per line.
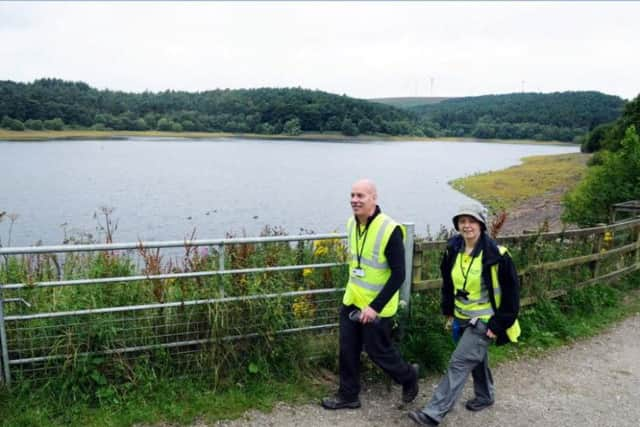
pixel 368 315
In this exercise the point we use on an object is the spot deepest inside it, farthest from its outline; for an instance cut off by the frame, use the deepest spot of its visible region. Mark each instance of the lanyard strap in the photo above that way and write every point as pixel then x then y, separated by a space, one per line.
pixel 466 275
pixel 360 250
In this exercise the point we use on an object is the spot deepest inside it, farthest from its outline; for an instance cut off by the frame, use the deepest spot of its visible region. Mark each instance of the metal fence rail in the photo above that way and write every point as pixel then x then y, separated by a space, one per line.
pixel 130 299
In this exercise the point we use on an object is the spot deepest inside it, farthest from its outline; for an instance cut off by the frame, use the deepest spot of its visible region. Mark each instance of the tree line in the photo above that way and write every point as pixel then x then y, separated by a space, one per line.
pixel 561 116
pixel 56 104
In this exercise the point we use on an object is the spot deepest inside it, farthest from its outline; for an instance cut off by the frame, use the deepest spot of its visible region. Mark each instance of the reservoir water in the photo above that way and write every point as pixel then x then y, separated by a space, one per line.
pixel 163 189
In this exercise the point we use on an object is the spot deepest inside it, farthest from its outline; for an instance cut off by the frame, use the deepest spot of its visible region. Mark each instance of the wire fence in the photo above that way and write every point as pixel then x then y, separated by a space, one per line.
pixel 199 306
pixel 131 302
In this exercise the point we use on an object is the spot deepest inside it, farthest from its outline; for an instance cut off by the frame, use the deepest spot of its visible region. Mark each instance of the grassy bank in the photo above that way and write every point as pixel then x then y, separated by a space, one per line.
pixel 536 176
pixel 45 135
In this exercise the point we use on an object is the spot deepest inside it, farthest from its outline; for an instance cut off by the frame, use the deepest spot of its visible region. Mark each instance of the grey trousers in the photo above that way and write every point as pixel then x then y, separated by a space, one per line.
pixel 470 356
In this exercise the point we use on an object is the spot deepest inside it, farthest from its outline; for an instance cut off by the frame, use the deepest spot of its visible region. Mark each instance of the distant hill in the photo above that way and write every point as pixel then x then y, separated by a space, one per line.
pixel 562 116
pixel 409 102
pixel 54 104
pixel 57 104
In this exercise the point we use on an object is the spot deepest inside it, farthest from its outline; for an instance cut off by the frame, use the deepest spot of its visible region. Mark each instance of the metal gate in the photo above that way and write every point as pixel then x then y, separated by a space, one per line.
pixel 176 300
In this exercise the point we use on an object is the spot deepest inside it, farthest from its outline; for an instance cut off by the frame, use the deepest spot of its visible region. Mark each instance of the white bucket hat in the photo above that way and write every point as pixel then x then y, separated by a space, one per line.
pixel 474 211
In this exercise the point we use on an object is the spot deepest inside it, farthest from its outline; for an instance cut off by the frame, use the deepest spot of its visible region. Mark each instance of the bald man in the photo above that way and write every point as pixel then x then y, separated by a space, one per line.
pixel 376 272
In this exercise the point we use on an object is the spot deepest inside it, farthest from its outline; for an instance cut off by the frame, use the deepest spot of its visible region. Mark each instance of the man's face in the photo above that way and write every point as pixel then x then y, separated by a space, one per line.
pixel 363 199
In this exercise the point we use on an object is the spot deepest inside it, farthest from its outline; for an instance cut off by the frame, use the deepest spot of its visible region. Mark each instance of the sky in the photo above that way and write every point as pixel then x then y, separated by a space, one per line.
pixel 361 49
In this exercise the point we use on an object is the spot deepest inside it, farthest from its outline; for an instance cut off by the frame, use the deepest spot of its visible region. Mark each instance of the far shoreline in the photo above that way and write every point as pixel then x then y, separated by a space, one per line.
pixel 70 135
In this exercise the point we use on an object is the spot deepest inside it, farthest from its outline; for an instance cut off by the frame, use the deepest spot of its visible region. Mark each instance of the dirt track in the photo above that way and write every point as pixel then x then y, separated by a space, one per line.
pixel 590 383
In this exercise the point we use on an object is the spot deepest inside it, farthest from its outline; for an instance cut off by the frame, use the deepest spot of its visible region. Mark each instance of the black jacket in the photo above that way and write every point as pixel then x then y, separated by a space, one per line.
pixel 506 314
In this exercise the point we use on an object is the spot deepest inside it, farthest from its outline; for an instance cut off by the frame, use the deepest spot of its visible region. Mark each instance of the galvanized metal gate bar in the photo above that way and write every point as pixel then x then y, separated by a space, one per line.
pixel 219 244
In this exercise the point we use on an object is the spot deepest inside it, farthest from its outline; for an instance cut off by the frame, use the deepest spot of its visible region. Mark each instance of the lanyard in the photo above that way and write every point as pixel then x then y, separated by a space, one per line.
pixel 466 275
pixel 360 250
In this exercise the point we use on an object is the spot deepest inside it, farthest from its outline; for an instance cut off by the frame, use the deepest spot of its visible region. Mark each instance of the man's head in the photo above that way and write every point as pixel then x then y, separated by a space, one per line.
pixel 364 198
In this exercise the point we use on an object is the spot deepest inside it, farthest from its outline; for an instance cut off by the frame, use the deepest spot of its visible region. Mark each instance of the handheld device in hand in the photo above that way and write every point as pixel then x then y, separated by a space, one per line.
pixel 355 317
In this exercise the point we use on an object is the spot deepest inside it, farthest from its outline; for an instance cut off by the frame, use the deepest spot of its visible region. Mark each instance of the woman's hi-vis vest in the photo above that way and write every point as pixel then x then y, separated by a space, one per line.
pixel 478 302
pixel 363 289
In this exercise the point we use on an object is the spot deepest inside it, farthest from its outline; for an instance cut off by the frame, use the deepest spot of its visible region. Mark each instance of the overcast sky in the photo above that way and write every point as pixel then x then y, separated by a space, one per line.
pixel 362 49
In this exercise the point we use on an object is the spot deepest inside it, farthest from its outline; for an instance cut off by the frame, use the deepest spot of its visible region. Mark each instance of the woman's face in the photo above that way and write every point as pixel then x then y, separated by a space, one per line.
pixel 469 227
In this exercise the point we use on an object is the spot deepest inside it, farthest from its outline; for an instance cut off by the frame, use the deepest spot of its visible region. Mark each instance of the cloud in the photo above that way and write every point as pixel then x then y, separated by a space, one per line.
pixel 361 49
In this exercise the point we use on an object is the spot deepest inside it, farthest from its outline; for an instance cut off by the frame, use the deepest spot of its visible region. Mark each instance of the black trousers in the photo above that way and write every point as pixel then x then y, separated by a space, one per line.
pixel 376 340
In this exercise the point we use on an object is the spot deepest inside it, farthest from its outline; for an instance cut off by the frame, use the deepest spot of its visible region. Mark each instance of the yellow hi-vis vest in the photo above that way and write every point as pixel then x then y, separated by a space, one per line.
pixel 480 307
pixel 361 291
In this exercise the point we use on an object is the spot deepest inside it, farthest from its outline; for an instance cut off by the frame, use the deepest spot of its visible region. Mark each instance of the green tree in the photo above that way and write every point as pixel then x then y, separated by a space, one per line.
pixel 34 124
pixel 164 124
pixel 349 128
pixel 54 124
pixel 366 125
pixel 292 127
pixel 11 124
pixel 265 128
pixel 140 124
pixel 333 123
pixel 616 179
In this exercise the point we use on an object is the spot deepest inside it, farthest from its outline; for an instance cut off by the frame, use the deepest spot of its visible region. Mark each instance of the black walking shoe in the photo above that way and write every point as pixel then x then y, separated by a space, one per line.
pixel 422 419
pixel 410 390
pixel 337 402
pixel 477 405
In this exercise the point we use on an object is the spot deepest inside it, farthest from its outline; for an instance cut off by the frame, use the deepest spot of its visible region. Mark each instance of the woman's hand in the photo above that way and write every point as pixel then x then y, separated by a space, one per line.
pixel 448 323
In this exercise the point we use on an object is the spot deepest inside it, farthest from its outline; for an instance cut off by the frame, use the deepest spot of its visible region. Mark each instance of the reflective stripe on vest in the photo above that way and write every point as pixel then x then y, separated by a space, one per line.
pixel 482 309
pixel 480 313
pixel 479 307
pixel 369 262
pixel 361 291
pixel 365 285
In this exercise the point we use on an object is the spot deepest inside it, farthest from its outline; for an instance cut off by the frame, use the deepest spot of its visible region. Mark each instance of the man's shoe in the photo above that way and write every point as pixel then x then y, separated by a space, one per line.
pixel 477 405
pixel 422 419
pixel 337 402
pixel 410 391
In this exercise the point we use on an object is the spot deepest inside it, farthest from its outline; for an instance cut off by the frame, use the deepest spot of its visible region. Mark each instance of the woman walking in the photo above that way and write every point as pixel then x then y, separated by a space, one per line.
pixel 480 298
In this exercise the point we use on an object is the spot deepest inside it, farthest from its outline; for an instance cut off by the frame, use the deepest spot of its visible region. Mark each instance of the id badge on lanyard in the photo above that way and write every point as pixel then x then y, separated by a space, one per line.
pixel 357 272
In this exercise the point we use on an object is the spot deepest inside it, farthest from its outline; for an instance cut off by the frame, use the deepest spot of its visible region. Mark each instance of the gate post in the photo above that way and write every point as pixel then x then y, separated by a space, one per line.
pixel 5 376
pixel 405 289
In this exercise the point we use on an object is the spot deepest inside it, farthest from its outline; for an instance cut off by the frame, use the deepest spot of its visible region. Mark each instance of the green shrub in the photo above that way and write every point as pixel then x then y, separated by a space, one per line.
pixel 615 179
pixel 54 124
pixel 11 124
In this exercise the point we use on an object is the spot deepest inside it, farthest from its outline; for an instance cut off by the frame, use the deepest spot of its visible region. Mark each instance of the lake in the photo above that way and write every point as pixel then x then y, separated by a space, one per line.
pixel 164 188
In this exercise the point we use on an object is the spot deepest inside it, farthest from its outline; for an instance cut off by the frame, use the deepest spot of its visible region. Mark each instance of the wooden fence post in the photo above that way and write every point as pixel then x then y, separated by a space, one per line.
pixel 417 263
pixel 597 247
pixel 637 246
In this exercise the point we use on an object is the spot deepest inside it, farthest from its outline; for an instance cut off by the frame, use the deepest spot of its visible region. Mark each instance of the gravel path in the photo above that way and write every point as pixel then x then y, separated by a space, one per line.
pixel 590 383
